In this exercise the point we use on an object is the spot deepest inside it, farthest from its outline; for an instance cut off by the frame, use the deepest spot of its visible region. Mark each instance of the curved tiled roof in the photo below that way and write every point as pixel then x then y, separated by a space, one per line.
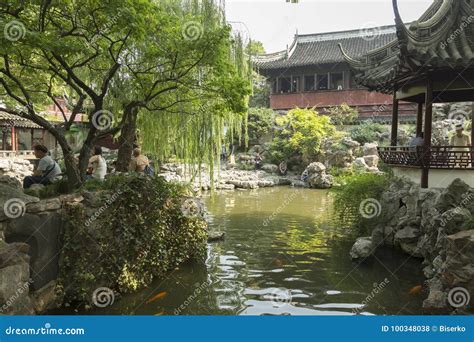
pixel 322 48
pixel 7 119
pixel 442 39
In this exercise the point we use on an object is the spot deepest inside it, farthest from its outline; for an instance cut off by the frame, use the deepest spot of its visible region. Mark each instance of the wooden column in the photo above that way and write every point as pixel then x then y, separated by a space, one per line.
pixel 393 140
pixel 427 134
pixel 472 128
pixel 419 120
pixel 13 138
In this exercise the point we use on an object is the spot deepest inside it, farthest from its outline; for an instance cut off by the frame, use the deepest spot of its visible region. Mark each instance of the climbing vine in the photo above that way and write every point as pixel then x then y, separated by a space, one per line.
pixel 136 231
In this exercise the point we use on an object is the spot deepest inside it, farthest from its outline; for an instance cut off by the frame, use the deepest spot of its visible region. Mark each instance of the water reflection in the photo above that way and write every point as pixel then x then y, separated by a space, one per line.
pixel 282 256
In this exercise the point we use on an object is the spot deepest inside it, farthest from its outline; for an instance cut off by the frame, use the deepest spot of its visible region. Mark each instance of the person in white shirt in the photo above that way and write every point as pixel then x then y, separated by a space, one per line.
pixel 460 139
pixel 97 165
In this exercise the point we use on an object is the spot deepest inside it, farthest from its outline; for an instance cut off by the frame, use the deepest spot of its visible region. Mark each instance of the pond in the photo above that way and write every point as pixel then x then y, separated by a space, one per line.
pixel 283 254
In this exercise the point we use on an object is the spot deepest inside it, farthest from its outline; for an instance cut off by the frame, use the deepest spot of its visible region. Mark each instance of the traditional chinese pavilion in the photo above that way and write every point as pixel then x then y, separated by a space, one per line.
pixel 430 61
pixel 313 73
pixel 19 135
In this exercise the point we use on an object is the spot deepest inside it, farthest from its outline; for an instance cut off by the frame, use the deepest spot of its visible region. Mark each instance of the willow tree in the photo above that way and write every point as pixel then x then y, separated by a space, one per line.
pixel 188 82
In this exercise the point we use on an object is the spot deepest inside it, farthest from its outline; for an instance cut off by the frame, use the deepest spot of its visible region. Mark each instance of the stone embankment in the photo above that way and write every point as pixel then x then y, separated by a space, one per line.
pixel 435 225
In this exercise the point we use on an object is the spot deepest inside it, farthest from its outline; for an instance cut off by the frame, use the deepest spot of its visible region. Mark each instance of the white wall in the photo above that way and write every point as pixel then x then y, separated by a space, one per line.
pixel 436 178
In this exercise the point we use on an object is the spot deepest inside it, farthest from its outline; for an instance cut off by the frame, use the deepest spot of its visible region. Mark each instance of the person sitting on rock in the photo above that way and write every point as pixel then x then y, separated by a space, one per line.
pixel 97 165
pixel 47 170
pixel 139 161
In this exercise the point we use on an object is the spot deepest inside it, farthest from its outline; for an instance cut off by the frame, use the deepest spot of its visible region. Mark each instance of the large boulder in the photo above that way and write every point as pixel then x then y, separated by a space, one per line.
pixel 270 168
pixel 16 168
pixel 359 165
pixel 407 239
pixel 370 149
pixel 347 141
pixel 362 248
pixel 13 202
pixel 372 160
pixel 42 233
pixel 453 196
pixel 458 270
pixel 316 176
pixel 15 278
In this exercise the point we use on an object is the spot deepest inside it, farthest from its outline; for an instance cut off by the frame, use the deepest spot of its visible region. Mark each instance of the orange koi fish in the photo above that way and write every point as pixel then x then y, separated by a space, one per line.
pixel 157 297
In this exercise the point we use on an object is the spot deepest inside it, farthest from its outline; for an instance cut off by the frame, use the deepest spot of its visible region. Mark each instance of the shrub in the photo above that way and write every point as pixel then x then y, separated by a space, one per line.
pixel 343 114
pixel 300 133
pixel 366 132
pixel 355 191
pixel 139 233
pixel 260 123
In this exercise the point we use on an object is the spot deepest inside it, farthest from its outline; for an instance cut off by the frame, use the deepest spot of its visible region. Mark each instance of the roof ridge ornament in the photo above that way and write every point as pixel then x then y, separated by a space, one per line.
pixel 402 33
pixel 348 58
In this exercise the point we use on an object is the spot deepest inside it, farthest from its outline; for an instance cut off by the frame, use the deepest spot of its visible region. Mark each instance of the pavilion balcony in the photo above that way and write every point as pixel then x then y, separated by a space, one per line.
pixel 433 157
pixel 443 163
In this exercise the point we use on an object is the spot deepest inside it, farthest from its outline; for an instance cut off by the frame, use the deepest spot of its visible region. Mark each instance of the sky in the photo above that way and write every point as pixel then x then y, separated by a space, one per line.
pixel 275 22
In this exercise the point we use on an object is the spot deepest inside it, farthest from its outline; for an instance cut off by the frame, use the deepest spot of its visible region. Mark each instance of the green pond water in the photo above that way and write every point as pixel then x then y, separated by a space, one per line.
pixel 282 255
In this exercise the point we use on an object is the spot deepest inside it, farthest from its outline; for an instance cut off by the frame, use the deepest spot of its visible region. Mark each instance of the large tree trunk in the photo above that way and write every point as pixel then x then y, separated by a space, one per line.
pixel 72 171
pixel 127 137
pixel 86 151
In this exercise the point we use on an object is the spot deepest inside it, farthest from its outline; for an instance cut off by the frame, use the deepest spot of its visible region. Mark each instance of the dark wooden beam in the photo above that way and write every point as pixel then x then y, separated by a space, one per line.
pixel 393 140
pixel 427 133
pixel 472 128
pixel 419 120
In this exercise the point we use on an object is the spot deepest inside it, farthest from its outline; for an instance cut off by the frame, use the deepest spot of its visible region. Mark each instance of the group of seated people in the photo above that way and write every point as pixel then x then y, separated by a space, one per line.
pixel 48 171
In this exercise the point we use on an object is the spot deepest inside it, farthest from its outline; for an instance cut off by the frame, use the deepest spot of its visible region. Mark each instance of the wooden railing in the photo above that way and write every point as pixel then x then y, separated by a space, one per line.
pixel 434 157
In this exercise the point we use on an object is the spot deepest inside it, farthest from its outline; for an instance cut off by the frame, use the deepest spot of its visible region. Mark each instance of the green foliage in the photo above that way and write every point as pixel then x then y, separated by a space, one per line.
pixel 366 132
pixel 261 92
pixel 299 134
pixel 343 114
pixel 354 189
pixel 51 190
pixel 190 122
pixel 254 47
pixel 260 122
pixel 138 233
